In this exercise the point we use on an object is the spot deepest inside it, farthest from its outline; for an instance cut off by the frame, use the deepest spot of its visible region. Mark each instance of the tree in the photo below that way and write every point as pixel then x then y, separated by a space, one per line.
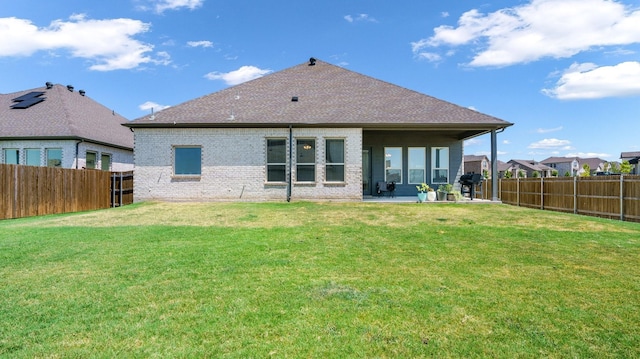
pixel 586 171
pixel 614 167
pixel 567 174
pixel 521 174
pixel 507 174
pixel 554 173
pixel 535 174
pixel 625 167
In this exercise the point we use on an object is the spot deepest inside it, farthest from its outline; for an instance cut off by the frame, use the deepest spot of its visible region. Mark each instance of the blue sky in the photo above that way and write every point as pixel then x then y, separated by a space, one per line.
pixel 565 72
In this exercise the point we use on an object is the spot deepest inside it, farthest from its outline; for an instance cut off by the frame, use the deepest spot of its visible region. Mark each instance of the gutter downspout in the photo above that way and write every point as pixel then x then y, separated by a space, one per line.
pixel 289 183
pixel 77 145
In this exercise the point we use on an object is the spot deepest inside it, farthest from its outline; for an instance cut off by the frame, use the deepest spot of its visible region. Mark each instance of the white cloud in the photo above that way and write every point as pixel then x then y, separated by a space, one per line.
pixel 243 74
pixel 586 81
pixel 589 155
pixel 160 6
pixel 506 142
pixel 360 17
pixel 444 14
pixel 203 43
pixel 539 29
pixel 550 143
pixel 548 130
pixel 430 56
pixel 150 105
pixel 109 43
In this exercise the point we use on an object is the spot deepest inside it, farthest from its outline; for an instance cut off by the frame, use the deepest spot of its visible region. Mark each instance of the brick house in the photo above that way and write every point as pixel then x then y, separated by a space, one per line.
pixel 477 164
pixel 574 165
pixel 633 158
pixel 312 131
pixel 58 127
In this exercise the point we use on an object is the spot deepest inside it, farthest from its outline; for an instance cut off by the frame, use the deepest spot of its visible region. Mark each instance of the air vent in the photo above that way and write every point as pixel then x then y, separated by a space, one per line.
pixel 81 92
pixel 28 100
pixel 70 88
pixel 294 99
pixel 49 85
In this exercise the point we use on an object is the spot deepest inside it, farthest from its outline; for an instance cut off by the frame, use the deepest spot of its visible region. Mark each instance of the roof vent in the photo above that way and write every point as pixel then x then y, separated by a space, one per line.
pixel 312 61
pixel 49 85
pixel 70 88
pixel 81 92
pixel 294 99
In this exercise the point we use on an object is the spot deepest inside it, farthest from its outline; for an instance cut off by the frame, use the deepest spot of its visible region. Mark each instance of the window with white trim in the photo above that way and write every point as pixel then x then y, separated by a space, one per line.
pixel 417 165
pixel 11 156
pixel 91 160
pixel 276 160
pixel 187 160
pixel 393 164
pixel 334 160
pixel 305 160
pixel 440 164
pixel 54 157
pixel 32 156
pixel 105 162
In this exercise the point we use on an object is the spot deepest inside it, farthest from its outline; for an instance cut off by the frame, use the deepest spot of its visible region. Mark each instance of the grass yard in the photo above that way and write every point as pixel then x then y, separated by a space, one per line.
pixel 319 280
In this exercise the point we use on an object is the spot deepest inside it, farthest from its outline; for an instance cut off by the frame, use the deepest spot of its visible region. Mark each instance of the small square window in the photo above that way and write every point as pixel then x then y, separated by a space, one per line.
pixel 187 161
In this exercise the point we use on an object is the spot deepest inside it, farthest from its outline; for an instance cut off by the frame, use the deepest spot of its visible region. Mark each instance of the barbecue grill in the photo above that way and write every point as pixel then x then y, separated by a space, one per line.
pixel 469 182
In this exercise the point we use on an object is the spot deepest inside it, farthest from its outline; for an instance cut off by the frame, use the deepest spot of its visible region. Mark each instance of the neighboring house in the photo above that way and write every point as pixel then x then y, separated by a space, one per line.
pixel 477 164
pixel 633 158
pixel 59 127
pixel 574 165
pixel 528 167
pixel 503 168
pixel 312 131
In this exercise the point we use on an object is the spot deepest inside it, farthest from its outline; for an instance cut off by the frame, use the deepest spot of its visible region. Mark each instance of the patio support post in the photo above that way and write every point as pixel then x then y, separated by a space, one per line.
pixel 289 183
pixel 494 166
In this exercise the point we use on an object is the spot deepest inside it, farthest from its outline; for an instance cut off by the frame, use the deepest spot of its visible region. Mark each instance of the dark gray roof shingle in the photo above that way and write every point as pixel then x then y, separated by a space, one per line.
pixel 63 115
pixel 327 95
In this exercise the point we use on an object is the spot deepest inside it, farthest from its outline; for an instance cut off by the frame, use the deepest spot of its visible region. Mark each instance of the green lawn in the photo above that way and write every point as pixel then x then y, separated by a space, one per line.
pixel 319 280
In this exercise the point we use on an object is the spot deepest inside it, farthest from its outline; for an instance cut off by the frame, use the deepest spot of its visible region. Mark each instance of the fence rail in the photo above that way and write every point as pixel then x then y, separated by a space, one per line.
pixel 615 197
pixel 34 191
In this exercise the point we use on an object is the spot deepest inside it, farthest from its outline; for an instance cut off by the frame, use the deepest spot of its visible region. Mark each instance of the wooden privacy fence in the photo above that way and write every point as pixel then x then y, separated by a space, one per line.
pixel 615 197
pixel 33 191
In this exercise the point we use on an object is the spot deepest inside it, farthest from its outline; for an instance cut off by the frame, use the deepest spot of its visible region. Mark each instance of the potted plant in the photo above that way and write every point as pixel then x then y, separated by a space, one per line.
pixel 444 190
pixel 431 195
pixel 423 188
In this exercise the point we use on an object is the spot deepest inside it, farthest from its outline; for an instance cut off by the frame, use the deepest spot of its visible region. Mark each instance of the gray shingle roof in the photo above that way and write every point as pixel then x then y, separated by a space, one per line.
pixel 327 95
pixel 63 115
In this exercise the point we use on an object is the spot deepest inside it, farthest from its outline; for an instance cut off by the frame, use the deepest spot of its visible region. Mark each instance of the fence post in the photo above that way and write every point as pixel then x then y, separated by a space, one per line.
pixel 541 192
pixel 113 190
pixel 121 192
pixel 621 197
pixel 518 191
pixel 575 195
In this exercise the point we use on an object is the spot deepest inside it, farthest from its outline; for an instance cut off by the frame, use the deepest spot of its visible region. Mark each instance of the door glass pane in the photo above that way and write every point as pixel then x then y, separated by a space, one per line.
pixel 393 164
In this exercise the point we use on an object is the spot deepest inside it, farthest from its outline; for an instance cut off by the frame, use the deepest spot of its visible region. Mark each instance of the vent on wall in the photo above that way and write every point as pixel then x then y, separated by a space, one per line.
pixel 28 100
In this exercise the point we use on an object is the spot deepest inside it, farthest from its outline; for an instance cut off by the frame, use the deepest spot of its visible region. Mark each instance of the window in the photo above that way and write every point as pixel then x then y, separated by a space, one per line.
pixel 334 159
pixel 105 162
pixel 417 164
pixel 276 160
pixel 393 164
pixel 91 160
pixel 54 157
pixel 440 164
pixel 32 156
pixel 187 161
pixel 11 156
pixel 306 160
